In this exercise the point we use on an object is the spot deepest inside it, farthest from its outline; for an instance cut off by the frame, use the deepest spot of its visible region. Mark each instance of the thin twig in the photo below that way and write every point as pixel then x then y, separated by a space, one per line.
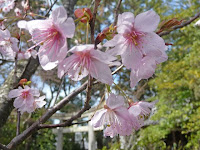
pixel 60 87
pixel 92 22
pixel 182 25
pixel 116 12
pixel 51 8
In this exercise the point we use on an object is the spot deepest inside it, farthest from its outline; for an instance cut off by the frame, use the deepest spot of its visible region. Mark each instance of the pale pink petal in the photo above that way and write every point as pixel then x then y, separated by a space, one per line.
pixel 81 48
pixel 114 101
pixel 135 110
pixel 131 58
pixel 125 22
pixel 125 18
pixel 34 24
pixel 101 56
pixel 134 78
pixel 152 43
pixel 65 25
pixel 35 92
pixel 40 102
pixel 118 39
pixel 15 93
pixel 110 131
pixel 98 118
pixel 117 50
pixel 62 53
pixel 68 28
pixel 147 21
pixel 46 63
pixel 101 72
pixel 78 73
pixel 18 102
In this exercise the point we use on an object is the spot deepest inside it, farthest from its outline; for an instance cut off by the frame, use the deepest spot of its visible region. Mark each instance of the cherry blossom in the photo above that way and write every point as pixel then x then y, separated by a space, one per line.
pixel 51 35
pixel 86 60
pixel 18 12
pixel 115 116
pixel 27 99
pixel 27 54
pixel 8 44
pixel 7 5
pixel 135 41
pixel 140 110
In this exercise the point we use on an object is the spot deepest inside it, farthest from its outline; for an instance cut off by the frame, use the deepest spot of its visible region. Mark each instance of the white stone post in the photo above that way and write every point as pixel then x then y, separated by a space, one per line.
pixel 59 139
pixel 91 137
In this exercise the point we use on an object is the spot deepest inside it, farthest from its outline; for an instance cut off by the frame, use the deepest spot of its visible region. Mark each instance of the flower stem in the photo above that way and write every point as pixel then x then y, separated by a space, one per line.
pixel 121 90
pixel 87 32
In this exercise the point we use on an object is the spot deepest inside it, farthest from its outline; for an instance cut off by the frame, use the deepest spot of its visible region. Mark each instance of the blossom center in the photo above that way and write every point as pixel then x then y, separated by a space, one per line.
pixel 49 38
pixel 84 60
pixel 133 37
pixel 25 94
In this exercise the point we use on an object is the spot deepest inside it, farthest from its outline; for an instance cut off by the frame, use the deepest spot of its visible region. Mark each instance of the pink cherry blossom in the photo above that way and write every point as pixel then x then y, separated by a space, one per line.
pixel 27 54
pixel 7 5
pixel 86 60
pixel 18 12
pixel 51 35
pixel 140 110
pixel 27 99
pixel 137 43
pixel 8 44
pixel 115 116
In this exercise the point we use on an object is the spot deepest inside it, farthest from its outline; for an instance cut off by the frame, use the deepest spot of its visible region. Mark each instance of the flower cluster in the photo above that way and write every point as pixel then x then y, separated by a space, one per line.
pixel 133 38
pixel 27 99
pixel 7 5
pixel 140 48
pixel 50 35
pixel 118 118
pixel 8 44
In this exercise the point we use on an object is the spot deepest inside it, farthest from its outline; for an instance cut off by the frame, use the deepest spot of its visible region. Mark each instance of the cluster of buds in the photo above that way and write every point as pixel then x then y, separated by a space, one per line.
pixel 169 24
pixel 24 82
pixel 83 14
pixel 108 33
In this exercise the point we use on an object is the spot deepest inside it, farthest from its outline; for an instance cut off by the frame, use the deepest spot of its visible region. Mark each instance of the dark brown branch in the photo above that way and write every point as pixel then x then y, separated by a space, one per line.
pixel 116 12
pixel 182 25
pixel 51 8
pixel 92 22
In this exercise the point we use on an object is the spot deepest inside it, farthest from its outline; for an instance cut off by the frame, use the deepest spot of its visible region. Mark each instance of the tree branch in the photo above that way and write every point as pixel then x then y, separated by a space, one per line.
pixel 92 22
pixel 116 12
pixel 182 25
pixel 3 147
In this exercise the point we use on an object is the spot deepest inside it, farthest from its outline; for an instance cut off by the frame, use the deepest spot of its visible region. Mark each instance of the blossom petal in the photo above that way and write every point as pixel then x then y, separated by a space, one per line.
pixel 101 56
pixel 147 21
pixel 40 102
pixel 15 93
pixel 101 72
pixel 152 43
pixel 19 102
pixel 98 118
pixel 131 58
pixel 114 101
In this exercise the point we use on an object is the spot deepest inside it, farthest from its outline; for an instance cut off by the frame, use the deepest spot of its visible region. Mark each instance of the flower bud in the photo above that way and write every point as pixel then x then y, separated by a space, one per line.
pixel 83 14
